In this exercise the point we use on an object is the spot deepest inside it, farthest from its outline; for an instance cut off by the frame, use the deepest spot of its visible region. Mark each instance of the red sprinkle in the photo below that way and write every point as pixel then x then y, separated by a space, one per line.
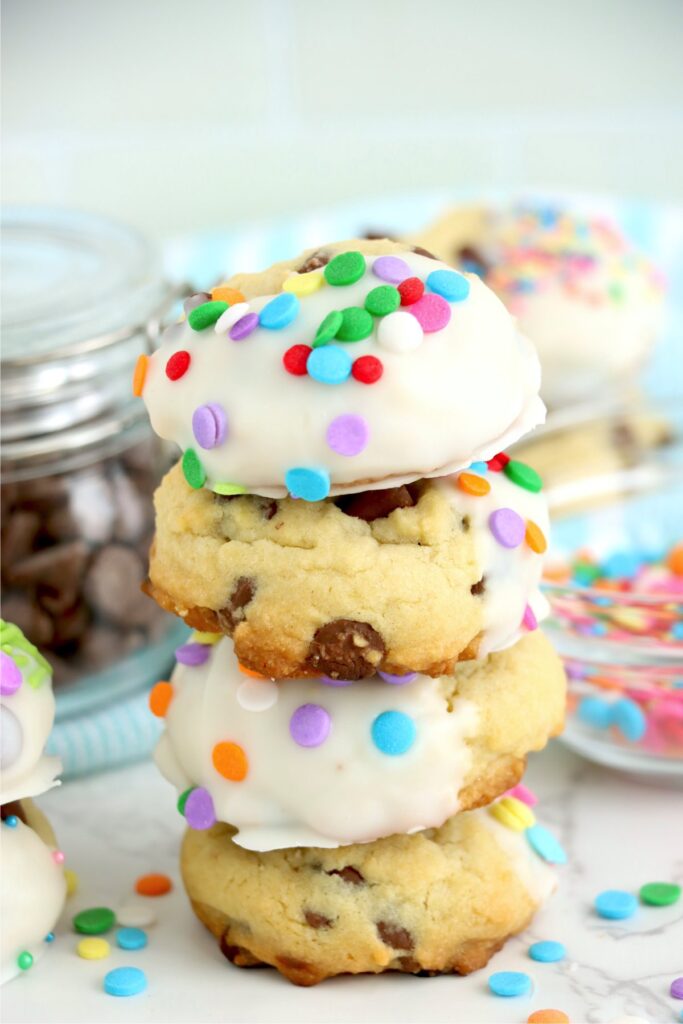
pixel 367 369
pixel 411 290
pixel 177 365
pixel 498 462
pixel 295 358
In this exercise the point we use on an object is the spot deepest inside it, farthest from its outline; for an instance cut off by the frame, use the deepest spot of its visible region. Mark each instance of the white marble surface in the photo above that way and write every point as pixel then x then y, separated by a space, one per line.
pixel 618 833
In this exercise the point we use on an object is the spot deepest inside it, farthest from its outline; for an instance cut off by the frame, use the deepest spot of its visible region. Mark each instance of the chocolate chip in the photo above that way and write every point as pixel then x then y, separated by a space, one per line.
pixel 479 587
pixel 348 874
pixel 317 920
pixel 371 505
pixel 59 567
pixel 411 966
pixel 345 649
pixel 233 613
pixel 14 807
pixel 237 955
pixel 18 536
pixel 268 507
pixel 419 251
pixel 315 261
pixel 465 524
pixel 33 622
pixel 192 301
pixel 394 935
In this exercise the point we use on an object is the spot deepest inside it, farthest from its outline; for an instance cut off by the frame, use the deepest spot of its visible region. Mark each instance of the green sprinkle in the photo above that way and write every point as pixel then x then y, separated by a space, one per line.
pixel 523 475
pixel 24 961
pixel 616 292
pixel 356 324
pixel 193 470
pixel 206 315
pixel 11 640
pixel 347 268
pixel 660 894
pixel 94 921
pixel 383 300
pixel 182 800
pixel 585 573
pixel 229 489
pixel 328 328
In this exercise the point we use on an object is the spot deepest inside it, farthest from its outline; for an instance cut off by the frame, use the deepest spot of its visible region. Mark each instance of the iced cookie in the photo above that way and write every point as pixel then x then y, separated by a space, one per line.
pixel 323 762
pixel 356 366
pixel 585 296
pixel 408 579
pixel 442 901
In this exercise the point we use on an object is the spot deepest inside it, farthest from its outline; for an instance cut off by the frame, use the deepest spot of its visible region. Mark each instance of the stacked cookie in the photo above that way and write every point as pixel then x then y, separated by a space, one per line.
pixel 360 561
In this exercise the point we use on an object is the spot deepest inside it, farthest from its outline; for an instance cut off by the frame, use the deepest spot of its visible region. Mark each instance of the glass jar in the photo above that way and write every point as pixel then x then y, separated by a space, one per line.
pixel 81 298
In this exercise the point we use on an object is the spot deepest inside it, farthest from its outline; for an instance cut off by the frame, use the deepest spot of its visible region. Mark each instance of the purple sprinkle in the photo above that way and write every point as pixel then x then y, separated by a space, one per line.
pixel 199 809
pixel 209 425
pixel 529 619
pixel 310 725
pixel 193 654
pixel 391 269
pixel 329 681
pixel 244 326
pixel 507 527
pixel 388 677
pixel 10 675
pixel 348 434
pixel 677 988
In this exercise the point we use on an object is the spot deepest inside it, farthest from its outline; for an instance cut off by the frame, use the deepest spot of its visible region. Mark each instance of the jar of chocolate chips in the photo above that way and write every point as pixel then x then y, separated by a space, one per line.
pixel 81 298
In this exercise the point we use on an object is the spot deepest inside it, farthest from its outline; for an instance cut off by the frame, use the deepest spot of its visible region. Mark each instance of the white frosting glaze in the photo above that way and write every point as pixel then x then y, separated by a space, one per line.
pixel 32 894
pixel 464 393
pixel 343 791
pixel 538 878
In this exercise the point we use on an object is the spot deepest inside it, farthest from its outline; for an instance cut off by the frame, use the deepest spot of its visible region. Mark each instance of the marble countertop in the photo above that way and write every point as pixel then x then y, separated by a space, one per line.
pixel 619 833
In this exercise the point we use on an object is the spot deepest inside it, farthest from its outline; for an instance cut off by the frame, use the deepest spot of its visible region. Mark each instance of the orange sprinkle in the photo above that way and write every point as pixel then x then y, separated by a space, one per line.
pixel 160 698
pixel 556 573
pixel 225 294
pixel 139 375
pixel 535 537
pixel 675 559
pixel 548 1017
pixel 153 885
pixel 470 483
pixel 230 761
pixel 250 672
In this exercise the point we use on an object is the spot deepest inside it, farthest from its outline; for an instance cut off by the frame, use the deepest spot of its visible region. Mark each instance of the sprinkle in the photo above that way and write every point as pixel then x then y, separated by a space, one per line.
pixel 399 332
pixel 512 813
pixel 535 537
pixel 139 374
pixel 510 983
pixel 232 489
pixel 205 315
pixel 498 462
pixel 615 904
pixel 328 327
pixel 478 467
pixel 674 559
pixel 329 681
pixel 629 719
pixel 71 881
pixel 182 800
pixel 411 290
pixel 50 937
pixel 199 637
pixel 93 949
pixel 11 821
pixel 279 312
pixel 224 293
pixel 24 961
pixel 382 300
pixel 193 471
pixel 545 844
pixel 529 620
pixel 621 565
pixel 595 711
pixel 547 952
pixel 249 672
pixel 470 483
pixel 391 269
pixel 94 921
pixel 131 938
pixel 310 725
pixel 257 696
pixel 230 761
pixel 346 268
pixel 244 327
pixel 125 981
pixel 153 885
pixel 178 365
pixel 507 527
pixel 449 285
pixel 137 914
pixel 356 324
pixel 523 475
pixel 304 284
pixel 209 425
pixel 367 369
pixel 548 1017
pixel 308 483
pixel 58 856
pixel 231 316
pixel 660 894
pixel 676 989
pixel 395 680
pixel 329 365
pixel 348 434
pixel 295 358
pixel 199 810
pixel 10 675
pixel 432 313
pixel 193 654
pixel 523 793
pixel 393 733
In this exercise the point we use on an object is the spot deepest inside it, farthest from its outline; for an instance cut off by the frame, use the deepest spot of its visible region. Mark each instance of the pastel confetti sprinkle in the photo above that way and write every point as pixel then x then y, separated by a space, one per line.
pixel 224 293
pixel 356 324
pixel 523 475
pixel 509 984
pixel 71 881
pixel 209 425
pixel 367 369
pixel 629 719
pixel 178 364
pixel 535 538
pixel 397 680
pixel 615 904
pixel 411 290
pixel 193 654
pixel 473 484
pixel 206 315
pixel 193 471
pixel 131 938
pixel 125 981
pixel 545 845
pixel 523 793
pixel 507 526
pixel 529 620
pixel 231 316
pixel 10 675
pixel 329 681
pixel 94 921
pixel 547 952
pixel 140 374
pixel 295 359
pixel 93 949
pixel 279 312
pixel 155 884
pixel 391 269
pixel 328 328
pixel 660 894
pixel 345 269
pixel 329 364
pixel 348 434
pixel 449 285
pixel 432 312
pixel 399 332
pixel 245 326
pixel 199 809
pixel 548 1017
pixel 137 914
pixel 308 483
pixel 393 733
pixel 231 489
pixel 382 300
pixel 230 761
pixel 676 990
pixel 257 696
pixel 512 813
pixel 304 284
pixel 310 725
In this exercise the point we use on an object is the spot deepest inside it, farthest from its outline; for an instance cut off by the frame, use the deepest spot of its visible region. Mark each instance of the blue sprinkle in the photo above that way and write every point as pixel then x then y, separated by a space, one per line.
pixel 329 364
pixel 547 952
pixel 393 732
pixel 629 718
pixel 131 938
pixel 615 905
pixel 308 483
pixel 677 631
pixel 622 565
pixel 545 844
pixel 479 467
pixel 279 312
pixel 597 629
pixel 11 821
pixel 50 937
pixel 448 284
pixel 595 711
pixel 548 217
pixel 602 602
pixel 510 983
pixel 125 981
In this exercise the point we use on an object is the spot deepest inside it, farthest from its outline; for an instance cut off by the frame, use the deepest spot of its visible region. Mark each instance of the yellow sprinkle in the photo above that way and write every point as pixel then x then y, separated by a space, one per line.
pixel 93 949
pixel 71 881
pixel 205 638
pixel 229 489
pixel 513 814
pixel 304 284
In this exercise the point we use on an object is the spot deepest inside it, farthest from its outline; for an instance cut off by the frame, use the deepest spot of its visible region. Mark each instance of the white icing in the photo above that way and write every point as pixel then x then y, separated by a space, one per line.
pixel 343 791
pixel 537 877
pixel 32 894
pixel 464 393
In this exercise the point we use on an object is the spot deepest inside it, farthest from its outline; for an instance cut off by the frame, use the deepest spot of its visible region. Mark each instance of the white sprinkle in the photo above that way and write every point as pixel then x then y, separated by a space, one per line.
pixel 399 332
pixel 136 915
pixel 257 695
pixel 230 317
